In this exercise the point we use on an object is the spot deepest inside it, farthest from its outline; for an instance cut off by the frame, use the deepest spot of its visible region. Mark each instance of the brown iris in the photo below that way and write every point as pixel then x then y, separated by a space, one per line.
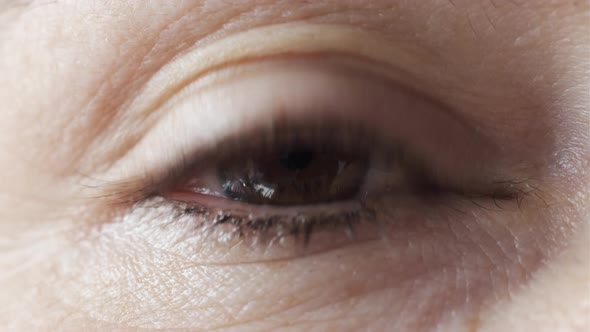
pixel 294 176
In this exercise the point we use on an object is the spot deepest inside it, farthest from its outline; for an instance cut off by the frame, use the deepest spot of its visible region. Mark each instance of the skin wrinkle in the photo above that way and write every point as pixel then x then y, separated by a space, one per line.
pixel 256 26
pixel 495 252
pixel 111 106
pixel 136 78
pixel 172 55
pixel 349 297
pixel 348 318
pixel 424 255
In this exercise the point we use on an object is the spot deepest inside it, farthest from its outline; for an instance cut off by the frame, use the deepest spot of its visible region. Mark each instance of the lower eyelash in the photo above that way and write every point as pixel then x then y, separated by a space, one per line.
pixel 271 227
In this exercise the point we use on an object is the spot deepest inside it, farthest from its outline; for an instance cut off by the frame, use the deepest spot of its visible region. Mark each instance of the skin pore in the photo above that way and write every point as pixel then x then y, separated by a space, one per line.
pixel 91 90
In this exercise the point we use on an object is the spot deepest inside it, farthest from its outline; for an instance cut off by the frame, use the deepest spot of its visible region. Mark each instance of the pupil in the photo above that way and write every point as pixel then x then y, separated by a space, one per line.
pixel 296 159
pixel 294 175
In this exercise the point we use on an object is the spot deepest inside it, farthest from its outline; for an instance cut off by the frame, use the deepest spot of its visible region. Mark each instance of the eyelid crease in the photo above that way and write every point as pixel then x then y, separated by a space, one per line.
pixel 282 40
pixel 305 89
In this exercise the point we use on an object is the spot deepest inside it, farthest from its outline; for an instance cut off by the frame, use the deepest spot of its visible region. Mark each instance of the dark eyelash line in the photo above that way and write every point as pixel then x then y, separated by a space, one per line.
pixel 272 226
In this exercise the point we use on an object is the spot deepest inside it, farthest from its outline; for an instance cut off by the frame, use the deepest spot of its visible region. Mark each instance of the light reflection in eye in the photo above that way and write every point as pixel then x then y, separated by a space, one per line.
pixel 293 176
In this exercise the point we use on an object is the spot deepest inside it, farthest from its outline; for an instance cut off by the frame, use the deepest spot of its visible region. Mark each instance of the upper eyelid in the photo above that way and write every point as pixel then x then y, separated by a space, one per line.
pixel 405 64
pixel 186 157
pixel 284 39
pixel 290 39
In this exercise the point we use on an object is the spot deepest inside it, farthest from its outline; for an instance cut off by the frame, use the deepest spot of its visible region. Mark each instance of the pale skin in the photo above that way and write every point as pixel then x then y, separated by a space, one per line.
pixel 83 81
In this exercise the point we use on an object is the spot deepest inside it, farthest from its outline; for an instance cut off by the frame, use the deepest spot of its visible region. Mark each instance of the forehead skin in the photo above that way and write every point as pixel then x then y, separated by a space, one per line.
pixel 519 67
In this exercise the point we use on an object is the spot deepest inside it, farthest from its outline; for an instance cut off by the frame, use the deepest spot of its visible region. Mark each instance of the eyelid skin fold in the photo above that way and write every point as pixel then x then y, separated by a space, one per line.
pixel 280 40
pixel 260 95
pixel 294 40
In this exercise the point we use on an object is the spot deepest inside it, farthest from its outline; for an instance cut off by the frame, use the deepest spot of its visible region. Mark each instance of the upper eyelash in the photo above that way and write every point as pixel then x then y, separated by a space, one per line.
pixel 354 137
pixel 350 138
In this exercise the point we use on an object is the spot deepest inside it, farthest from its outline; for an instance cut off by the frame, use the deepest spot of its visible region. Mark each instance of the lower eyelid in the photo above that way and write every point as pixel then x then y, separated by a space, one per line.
pixel 263 237
pixel 193 234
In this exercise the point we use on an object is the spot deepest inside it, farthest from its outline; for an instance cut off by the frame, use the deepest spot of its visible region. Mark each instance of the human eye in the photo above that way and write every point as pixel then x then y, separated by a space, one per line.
pixel 270 155
pixel 281 165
